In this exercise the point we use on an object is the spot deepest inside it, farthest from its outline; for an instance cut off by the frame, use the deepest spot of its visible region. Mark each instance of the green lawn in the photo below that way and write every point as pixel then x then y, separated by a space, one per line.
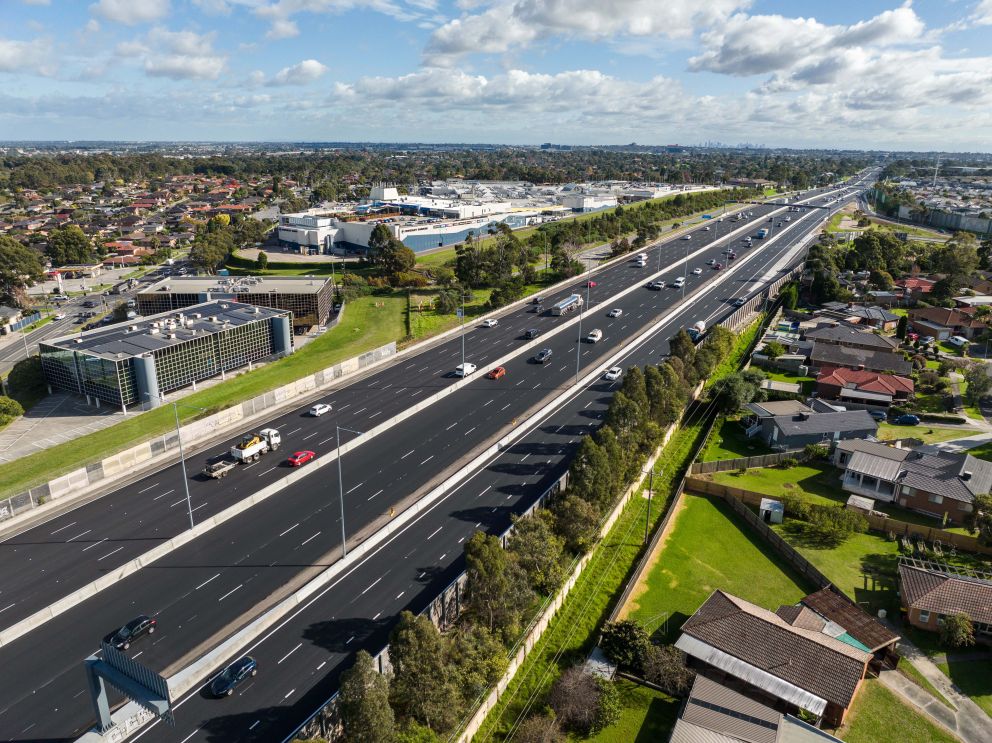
pixel 973 677
pixel 709 548
pixel 425 322
pixel 368 322
pixel 982 452
pixel 929 434
pixel 878 716
pixel 806 383
pixel 648 716
pixel 728 441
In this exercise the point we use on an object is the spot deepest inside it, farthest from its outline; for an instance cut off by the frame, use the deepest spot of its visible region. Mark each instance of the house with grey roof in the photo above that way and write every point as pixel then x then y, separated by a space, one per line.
pixel 931 591
pixel 850 336
pixel 790 424
pixel 833 355
pixel 930 481
pixel 792 655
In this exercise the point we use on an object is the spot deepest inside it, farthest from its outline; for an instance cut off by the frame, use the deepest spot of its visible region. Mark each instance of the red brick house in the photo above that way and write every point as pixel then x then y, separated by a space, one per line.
pixel 860 385
pixel 942 323
pixel 932 591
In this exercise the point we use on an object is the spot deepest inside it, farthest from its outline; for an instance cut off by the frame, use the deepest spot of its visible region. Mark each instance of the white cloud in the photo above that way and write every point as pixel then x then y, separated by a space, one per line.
pixel 213 7
pixel 180 55
pixel 282 28
pixel 299 74
pixel 131 12
pixel 983 13
pixel 506 24
pixel 27 56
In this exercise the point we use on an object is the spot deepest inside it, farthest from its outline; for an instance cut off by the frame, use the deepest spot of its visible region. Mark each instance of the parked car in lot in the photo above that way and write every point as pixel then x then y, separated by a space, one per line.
pixel 490 323
pixel 136 628
pixel 543 356
pixel 958 340
pixel 231 677
pixel 615 312
pixel 463 370
pixel 613 374
pixel 300 458
pixel 927 340
pixel 319 409
pixel 908 419
pixel 498 373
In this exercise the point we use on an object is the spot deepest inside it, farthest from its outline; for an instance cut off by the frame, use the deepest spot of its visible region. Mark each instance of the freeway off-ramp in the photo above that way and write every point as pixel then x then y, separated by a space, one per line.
pixel 224 574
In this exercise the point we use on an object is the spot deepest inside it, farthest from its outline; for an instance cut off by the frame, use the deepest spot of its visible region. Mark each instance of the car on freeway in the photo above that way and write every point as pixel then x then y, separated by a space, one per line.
pixel 136 628
pixel 532 334
pixel 731 256
pixel 60 316
pixel 463 370
pixel 717 266
pixel 231 677
pixel 656 286
pixel 615 312
pixel 89 303
pixel 697 271
pixel 706 229
pixel 687 237
pixel 739 302
pixel 60 298
pixel 319 409
pixel 492 322
pixel 543 356
pixel 590 284
pixel 595 336
pixel 537 300
pixel 300 458
pixel 679 282
pixel 613 374
pixel 908 419
pixel 710 262
pixel 498 373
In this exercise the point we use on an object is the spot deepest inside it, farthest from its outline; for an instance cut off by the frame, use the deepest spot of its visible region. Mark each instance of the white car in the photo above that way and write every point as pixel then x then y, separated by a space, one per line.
pixel 490 323
pixel 319 409
pixel 463 370
pixel 687 237
pixel 615 312
pixel 60 316
pixel 594 336
pixel 697 271
pixel 613 374
pixel 706 229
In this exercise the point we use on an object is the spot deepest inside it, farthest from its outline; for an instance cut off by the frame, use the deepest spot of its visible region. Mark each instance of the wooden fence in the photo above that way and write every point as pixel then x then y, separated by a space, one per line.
pixel 741 463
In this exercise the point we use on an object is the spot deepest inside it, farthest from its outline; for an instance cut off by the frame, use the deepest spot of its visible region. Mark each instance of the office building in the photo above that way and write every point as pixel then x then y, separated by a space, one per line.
pixel 137 363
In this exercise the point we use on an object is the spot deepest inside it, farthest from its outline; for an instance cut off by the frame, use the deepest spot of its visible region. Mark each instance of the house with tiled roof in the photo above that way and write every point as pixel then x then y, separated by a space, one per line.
pixel 943 322
pixel 838 609
pixel 863 386
pixel 933 482
pixel 930 592
pixel 792 655
pixel 916 286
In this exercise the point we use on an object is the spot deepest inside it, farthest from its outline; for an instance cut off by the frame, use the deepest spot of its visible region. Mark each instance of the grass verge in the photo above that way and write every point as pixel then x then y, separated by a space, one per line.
pixel 368 322
pixel 647 716
pixel 879 715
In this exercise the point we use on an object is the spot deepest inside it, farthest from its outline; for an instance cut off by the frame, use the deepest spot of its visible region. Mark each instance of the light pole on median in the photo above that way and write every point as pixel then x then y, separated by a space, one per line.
pixel 339 429
pixel 182 453
pixel 578 345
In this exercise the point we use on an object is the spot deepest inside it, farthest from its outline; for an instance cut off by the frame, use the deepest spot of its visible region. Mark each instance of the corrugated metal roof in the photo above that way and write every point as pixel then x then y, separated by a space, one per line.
pixel 794 730
pixel 751 674
pixel 873 466
pixel 686 732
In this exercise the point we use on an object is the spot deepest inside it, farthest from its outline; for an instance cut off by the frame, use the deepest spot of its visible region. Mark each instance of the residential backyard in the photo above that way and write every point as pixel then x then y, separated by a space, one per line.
pixel 708 548
pixel 648 716
pixel 728 441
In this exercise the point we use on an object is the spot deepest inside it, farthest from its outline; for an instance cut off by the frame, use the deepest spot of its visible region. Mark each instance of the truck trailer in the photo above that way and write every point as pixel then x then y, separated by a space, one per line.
pixel 570 304
pixel 254 445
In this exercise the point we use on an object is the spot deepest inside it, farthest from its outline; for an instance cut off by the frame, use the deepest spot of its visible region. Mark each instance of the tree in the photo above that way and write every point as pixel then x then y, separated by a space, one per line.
pixel 539 728
pixel 979 382
pixel 576 520
pixel 625 418
pixel 664 667
pixel 591 476
pixel 479 659
pixel 413 732
pixel 69 245
pixel 20 267
pixel 625 643
pixel 736 390
pixel 790 296
pixel 901 327
pixel 635 388
pixel 9 409
pixel 497 585
pixel 422 687
pixel 575 699
pixel 980 519
pixel 682 347
pixel 262 261
pixel 774 349
pixel 364 703
pixel 610 706
pixel 447 301
pixel 957 631
pixel 538 550
pixel 26 379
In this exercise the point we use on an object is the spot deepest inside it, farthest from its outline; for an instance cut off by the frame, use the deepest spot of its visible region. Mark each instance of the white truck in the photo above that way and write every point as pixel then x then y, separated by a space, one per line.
pixel 254 445
pixel 697 330
pixel 569 304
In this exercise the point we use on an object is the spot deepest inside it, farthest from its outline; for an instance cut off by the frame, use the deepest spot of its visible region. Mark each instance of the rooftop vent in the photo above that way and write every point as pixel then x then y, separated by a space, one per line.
pixel 153 331
pixel 966 475
pixel 132 328
pixel 213 318
pixel 171 336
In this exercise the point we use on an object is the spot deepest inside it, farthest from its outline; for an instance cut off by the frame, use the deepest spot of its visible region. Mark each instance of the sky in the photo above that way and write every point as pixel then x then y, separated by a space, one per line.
pixel 845 74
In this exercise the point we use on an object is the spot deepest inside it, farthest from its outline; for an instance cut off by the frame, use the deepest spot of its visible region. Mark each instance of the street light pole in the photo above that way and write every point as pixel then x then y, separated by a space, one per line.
pixel 344 543
pixel 578 346
pixel 463 331
pixel 182 461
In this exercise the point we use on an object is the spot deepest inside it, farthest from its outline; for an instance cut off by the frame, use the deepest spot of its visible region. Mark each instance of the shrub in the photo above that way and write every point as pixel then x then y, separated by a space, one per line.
pixel 664 667
pixel 957 631
pixel 625 643
pixel 788 463
pixel 816 451
pixel 9 409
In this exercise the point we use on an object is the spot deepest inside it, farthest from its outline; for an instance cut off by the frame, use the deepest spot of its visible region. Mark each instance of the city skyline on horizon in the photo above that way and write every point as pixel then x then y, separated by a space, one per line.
pixel 866 76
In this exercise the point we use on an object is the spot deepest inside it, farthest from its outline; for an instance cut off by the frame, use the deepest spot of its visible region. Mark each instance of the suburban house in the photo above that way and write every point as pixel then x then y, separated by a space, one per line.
pixel 829 355
pixel 731 711
pixel 844 614
pixel 931 591
pixel 791 424
pixel 935 483
pixel 792 655
pixel 862 386
pixel 849 336
pixel 942 322
pixel 915 287
pixel 873 316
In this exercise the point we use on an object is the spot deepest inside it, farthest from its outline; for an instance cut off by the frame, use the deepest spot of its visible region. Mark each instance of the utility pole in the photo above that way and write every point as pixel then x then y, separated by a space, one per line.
pixel 647 518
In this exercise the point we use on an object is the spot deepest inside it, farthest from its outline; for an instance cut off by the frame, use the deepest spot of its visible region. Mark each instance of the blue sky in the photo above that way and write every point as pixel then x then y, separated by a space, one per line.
pixel 843 74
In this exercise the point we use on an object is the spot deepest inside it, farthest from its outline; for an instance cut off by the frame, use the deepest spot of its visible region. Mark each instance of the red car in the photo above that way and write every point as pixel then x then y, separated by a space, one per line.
pixel 498 373
pixel 590 284
pixel 717 266
pixel 301 457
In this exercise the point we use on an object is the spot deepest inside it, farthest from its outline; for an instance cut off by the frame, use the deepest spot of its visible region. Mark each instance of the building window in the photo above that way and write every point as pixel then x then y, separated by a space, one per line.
pixel 966 507
pixel 906 490
pixel 924 617
pixel 934 498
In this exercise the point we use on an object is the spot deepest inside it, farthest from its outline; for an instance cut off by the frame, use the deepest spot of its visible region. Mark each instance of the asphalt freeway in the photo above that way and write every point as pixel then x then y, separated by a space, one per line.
pixel 200 589
pixel 45 563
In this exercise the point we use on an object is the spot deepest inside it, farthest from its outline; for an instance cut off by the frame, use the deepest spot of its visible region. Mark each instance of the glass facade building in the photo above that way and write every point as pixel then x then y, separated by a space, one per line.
pixel 133 364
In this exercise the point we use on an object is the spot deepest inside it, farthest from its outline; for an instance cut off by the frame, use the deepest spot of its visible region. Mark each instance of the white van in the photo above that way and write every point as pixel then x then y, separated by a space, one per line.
pixel 957 340
pixel 594 336
pixel 642 256
pixel 679 282
pixel 463 370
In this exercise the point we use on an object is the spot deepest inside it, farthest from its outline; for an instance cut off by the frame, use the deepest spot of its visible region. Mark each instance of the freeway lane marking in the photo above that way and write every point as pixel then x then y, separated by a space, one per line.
pixel 371 585
pixel 148 488
pixel 164 494
pixel 240 585
pixel 354 488
pixel 505 407
pixel 256 723
pixel 290 529
pixel 407 454
pixel 289 654
pixel 451 426
pixel 110 553
pixel 193 510
pixel 179 501
pixel 79 535
pixel 96 544
pixel 326 440
pixel 205 582
pixel 434 532
pixel 488 403
pixel 309 437
pixel 427 460
pixel 64 527
pixel 484 492
pixel 189 736
pixel 374 495
pixel 260 474
pixel 378 412
pixel 310 539
pixel 7 607
pixel 294 431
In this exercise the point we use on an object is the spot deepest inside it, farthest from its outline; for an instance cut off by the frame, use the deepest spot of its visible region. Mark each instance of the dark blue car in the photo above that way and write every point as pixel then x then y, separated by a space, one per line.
pixel 908 420
pixel 229 679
